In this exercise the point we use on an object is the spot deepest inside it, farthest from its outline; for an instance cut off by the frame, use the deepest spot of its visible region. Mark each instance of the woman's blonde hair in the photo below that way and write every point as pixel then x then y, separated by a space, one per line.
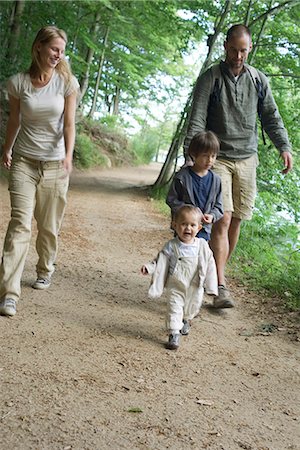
pixel 44 36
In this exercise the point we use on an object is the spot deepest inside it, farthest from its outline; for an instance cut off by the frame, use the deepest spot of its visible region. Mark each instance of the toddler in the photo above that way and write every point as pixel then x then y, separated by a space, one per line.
pixel 183 267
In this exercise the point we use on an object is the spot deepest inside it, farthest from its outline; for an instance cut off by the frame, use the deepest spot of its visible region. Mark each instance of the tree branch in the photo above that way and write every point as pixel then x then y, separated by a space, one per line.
pixel 274 10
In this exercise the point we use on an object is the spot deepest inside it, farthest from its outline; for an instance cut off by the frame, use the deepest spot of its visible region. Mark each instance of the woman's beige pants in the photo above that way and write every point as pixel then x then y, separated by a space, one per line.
pixel 36 188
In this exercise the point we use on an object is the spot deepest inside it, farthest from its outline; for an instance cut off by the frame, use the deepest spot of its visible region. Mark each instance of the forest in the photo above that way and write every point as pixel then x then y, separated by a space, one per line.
pixel 137 62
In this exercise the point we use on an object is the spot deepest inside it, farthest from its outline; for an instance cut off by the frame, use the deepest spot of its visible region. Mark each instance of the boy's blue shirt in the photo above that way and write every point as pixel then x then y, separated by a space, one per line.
pixel 201 187
pixel 181 192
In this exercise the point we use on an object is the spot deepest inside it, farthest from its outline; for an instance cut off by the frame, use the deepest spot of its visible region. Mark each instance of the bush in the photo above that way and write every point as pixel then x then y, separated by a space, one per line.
pixel 87 154
pixel 144 145
pixel 268 256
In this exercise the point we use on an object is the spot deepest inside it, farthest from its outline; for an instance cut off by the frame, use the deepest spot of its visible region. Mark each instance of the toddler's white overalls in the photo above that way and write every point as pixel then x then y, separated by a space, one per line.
pixel 183 291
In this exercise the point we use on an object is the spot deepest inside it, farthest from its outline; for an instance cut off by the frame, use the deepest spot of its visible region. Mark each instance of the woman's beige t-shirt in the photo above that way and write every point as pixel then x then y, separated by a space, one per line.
pixel 41 134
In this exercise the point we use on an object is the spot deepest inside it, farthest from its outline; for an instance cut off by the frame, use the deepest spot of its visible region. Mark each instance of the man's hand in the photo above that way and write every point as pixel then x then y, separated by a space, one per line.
pixel 287 162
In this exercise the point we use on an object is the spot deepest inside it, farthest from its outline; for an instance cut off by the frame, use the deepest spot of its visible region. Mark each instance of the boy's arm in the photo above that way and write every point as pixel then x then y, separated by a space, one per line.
pixel 217 211
pixel 174 197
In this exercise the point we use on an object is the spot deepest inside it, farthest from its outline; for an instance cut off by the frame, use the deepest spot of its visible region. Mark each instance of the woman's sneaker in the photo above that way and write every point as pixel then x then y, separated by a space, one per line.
pixel 186 327
pixel 8 307
pixel 41 283
pixel 173 342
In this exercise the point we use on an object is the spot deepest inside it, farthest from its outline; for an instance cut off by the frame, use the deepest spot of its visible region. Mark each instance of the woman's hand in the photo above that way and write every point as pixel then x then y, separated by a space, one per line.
pixel 6 158
pixel 68 165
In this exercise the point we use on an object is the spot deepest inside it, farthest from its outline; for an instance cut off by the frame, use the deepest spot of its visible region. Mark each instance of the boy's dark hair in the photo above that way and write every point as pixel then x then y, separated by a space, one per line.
pixel 188 208
pixel 238 30
pixel 204 142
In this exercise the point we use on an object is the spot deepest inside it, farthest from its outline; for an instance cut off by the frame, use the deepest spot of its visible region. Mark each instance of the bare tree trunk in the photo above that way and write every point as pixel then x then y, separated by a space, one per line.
pixel 116 101
pixel 99 74
pixel 169 166
pixel 84 81
pixel 15 22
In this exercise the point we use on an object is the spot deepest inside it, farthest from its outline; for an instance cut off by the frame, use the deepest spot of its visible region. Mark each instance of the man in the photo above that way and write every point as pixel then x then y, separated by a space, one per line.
pixel 227 103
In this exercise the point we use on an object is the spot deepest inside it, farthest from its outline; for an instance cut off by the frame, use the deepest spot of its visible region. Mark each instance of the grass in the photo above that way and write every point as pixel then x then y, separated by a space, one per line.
pixel 268 257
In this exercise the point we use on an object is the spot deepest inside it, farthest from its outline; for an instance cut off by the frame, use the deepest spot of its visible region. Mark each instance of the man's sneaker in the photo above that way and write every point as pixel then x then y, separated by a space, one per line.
pixel 223 300
pixel 173 342
pixel 186 327
pixel 41 283
pixel 8 307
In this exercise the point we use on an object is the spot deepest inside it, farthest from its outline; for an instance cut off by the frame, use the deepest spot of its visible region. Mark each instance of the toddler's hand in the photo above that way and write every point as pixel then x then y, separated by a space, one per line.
pixel 144 270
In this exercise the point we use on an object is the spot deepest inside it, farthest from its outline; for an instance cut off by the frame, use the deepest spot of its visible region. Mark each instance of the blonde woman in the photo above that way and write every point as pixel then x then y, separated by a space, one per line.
pixel 38 152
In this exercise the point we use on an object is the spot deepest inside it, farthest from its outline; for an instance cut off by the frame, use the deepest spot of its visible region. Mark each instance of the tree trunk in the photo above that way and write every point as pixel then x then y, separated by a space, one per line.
pixel 116 101
pixel 84 81
pixel 15 22
pixel 169 167
pixel 99 74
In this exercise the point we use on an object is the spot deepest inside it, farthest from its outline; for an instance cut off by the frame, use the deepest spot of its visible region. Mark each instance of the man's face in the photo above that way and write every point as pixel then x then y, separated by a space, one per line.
pixel 237 50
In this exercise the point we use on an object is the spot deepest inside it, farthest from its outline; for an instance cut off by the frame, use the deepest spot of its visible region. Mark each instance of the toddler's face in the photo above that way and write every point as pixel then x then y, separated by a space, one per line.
pixel 187 226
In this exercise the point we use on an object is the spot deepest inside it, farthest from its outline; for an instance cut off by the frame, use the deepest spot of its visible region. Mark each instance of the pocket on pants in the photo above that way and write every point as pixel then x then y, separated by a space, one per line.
pixel 54 179
pixel 20 172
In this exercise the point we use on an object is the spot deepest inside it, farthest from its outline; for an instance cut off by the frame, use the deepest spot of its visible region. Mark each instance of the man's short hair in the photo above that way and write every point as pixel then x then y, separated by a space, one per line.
pixel 204 142
pixel 238 30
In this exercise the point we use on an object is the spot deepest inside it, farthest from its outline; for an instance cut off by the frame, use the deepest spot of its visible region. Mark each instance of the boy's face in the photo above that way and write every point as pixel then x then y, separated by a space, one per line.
pixel 187 226
pixel 204 161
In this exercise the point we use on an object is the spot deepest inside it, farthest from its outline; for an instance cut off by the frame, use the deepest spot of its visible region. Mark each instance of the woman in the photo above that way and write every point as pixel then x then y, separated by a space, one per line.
pixel 41 131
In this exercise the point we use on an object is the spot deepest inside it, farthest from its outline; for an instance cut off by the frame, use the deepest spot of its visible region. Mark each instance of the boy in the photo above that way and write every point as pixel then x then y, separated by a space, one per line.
pixel 198 185
pixel 183 266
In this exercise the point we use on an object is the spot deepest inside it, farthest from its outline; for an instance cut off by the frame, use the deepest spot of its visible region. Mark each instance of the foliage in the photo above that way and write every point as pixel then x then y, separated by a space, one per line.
pixel 86 153
pixel 144 146
pixel 100 145
pixel 151 142
pixel 268 255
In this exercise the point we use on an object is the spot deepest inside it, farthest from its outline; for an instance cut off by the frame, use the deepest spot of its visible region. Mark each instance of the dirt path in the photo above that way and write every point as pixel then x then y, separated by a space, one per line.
pixel 83 364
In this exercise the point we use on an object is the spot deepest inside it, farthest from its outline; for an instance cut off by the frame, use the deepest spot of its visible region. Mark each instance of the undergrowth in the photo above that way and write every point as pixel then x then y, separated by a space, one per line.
pixel 268 258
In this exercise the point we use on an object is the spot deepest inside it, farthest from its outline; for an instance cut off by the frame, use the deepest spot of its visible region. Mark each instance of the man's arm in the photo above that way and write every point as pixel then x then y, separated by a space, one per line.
pixel 274 126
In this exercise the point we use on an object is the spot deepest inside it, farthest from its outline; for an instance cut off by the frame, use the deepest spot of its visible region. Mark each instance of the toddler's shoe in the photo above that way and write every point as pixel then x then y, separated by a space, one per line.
pixel 173 342
pixel 41 283
pixel 224 299
pixel 186 327
pixel 8 307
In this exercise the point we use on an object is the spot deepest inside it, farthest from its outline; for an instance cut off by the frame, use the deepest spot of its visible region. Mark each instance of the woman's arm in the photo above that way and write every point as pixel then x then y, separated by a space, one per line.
pixel 69 129
pixel 12 130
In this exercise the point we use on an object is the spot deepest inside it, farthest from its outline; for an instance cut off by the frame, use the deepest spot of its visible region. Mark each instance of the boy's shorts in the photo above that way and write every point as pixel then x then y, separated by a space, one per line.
pixel 238 185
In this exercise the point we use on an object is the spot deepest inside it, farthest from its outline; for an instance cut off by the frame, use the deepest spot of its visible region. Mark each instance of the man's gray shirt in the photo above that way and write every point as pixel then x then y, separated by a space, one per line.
pixel 234 117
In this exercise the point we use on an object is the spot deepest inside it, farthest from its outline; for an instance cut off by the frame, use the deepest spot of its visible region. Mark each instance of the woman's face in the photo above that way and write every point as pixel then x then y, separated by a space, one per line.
pixel 51 53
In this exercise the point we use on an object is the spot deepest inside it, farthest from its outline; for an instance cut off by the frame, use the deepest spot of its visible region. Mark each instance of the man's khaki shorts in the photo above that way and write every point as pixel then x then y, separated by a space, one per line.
pixel 238 185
